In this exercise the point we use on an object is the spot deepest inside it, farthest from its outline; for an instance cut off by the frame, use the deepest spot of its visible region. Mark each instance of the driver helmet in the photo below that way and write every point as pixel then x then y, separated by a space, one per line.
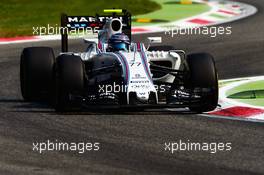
pixel 119 41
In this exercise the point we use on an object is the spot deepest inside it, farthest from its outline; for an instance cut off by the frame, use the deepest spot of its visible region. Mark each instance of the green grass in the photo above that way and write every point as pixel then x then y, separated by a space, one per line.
pixel 17 17
pixel 256 85
pixel 250 93
pixel 172 11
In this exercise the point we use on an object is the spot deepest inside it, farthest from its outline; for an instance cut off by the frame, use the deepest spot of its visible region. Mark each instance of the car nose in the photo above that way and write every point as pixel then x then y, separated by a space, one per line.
pixel 143 96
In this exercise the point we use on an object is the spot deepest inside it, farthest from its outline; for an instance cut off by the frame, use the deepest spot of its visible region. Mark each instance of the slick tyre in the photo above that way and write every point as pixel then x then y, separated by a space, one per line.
pixel 36 73
pixel 69 80
pixel 203 75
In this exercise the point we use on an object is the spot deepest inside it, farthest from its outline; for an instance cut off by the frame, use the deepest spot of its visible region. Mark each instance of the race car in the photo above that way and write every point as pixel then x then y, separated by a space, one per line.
pixel 114 72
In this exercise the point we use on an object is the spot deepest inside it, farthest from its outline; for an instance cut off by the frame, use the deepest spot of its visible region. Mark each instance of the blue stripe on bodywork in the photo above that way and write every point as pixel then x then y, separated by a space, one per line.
pixel 145 62
pixel 126 65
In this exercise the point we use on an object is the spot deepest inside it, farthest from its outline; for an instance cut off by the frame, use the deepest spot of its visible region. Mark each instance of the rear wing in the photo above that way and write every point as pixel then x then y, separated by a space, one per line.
pixel 92 23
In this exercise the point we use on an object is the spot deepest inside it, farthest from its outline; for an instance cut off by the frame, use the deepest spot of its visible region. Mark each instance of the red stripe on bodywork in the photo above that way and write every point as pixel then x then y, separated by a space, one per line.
pixel 100 45
pixel 200 21
pixel 138 47
pixel 238 111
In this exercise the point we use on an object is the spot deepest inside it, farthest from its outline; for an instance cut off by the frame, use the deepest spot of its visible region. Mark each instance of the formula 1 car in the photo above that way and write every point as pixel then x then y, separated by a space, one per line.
pixel 115 72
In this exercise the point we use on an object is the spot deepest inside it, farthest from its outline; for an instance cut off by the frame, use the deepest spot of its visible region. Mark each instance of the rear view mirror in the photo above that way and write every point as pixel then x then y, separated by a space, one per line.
pixel 153 40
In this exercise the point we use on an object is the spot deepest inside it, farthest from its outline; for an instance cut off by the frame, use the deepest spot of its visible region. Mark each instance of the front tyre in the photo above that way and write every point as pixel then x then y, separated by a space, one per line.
pixel 203 76
pixel 69 80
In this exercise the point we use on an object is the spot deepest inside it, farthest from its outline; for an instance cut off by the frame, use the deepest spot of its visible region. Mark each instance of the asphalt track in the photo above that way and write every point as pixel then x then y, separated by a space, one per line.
pixel 133 143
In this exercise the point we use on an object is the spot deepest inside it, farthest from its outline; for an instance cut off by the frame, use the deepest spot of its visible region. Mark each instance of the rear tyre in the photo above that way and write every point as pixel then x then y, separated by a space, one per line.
pixel 36 73
pixel 69 80
pixel 203 75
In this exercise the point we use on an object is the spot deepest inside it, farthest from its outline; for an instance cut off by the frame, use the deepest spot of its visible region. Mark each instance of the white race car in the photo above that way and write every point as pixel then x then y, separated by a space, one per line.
pixel 115 72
